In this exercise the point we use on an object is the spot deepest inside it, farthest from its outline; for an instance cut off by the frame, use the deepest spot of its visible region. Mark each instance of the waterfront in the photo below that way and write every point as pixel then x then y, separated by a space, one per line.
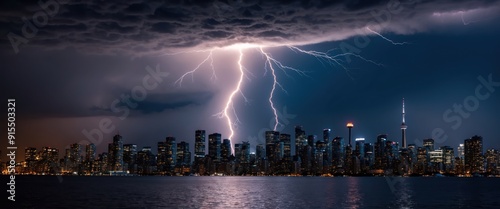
pixel 255 192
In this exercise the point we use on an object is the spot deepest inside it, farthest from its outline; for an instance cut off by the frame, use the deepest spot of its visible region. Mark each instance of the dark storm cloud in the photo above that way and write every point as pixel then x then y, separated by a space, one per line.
pixel 142 27
pixel 159 102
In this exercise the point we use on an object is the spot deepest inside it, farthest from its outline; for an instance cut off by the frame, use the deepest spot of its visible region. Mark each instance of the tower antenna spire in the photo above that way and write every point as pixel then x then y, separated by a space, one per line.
pixel 403 127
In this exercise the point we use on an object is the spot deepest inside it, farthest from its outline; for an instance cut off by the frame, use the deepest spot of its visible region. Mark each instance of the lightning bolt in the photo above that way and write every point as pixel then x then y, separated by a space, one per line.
pixel 230 103
pixel 385 38
pixel 269 62
pixel 209 57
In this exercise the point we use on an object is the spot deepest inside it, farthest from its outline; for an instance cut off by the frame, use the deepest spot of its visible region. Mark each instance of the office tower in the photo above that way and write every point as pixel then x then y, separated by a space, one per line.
pixel 328 152
pixel 225 151
pixel 272 146
pixel 115 154
pixel 74 157
pixel 460 151
pixel 359 151
pixel 492 160
pixel 338 152
pixel 422 161
pixel 448 158
pixel 260 151
pixel 183 154
pixel 300 140
pixel 369 156
pixel 183 161
pixel 199 144
pixel 90 150
pixel 429 144
pixel 350 126
pixel 474 155
pixel 311 139
pixel 412 152
pixel 436 160
pixel 287 146
pixel 170 154
pixel 403 127
pixel 379 152
pixel 161 157
pixel 30 157
pixel 130 157
pixel 214 146
pixel 146 161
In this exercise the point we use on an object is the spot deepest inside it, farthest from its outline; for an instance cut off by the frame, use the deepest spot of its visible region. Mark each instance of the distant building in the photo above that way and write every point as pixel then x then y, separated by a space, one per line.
pixel 199 144
pixel 115 154
pixel 130 157
pixel 225 150
pixel 473 151
pixel 214 147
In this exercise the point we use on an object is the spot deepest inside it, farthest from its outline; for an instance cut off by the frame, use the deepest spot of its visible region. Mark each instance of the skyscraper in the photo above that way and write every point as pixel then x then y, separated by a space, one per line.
pixel 183 155
pixel 115 156
pixel 474 154
pixel 170 154
pixel 199 144
pixel 403 127
pixel 300 140
pixel 130 157
pixel 225 150
pixel 214 142
pixel 429 144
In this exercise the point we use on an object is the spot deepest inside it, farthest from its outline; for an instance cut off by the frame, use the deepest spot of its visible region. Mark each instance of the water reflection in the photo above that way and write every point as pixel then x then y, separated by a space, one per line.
pixel 401 189
pixel 354 196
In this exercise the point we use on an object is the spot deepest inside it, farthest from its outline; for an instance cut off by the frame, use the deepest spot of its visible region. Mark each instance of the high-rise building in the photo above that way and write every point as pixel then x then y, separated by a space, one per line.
pixel 474 155
pixel 287 146
pixel 380 161
pixel 272 143
pixel 74 157
pixel 183 154
pixel 199 144
pixel 492 159
pixel 225 150
pixel 328 151
pixel 115 154
pixel 448 158
pixel 170 154
pixel 90 150
pixel 146 161
pixel 161 157
pixel 460 151
pixel 90 154
pixel 338 152
pixel 214 146
pixel 403 127
pixel 429 144
pixel 130 157
pixel 30 157
pixel 300 140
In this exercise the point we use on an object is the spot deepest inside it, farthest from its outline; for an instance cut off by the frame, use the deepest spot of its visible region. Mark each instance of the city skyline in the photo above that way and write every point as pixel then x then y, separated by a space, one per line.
pixel 128 68
pixel 312 156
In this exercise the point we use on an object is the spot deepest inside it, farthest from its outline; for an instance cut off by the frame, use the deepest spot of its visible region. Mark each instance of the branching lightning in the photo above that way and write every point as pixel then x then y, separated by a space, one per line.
pixel 209 57
pixel 385 38
pixel 230 103
pixel 270 64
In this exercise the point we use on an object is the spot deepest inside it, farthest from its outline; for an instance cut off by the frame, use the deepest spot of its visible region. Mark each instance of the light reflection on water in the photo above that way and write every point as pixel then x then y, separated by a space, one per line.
pixel 255 192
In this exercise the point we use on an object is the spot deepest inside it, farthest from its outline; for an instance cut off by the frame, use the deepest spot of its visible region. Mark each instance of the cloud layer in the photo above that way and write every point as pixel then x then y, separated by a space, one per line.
pixel 149 27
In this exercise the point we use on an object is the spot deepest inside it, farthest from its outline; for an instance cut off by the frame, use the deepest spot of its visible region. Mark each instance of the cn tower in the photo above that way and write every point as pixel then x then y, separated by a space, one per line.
pixel 403 127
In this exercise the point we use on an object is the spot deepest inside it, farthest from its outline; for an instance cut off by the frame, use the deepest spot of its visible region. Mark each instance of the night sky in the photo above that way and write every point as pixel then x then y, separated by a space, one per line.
pixel 85 55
